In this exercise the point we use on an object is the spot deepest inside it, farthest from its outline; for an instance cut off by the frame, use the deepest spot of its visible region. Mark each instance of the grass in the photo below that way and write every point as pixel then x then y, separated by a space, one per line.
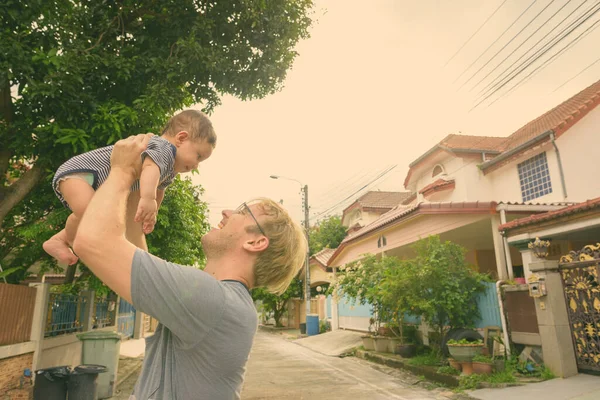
pixel 448 370
pixel 431 359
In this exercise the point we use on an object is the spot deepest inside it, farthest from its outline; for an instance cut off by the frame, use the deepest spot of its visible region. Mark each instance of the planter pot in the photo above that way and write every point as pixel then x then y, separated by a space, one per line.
pixel 368 342
pixel 381 344
pixel 392 343
pixel 466 367
pixel 464 353
pixel 455 364
pixel 482 368
pixel 406 350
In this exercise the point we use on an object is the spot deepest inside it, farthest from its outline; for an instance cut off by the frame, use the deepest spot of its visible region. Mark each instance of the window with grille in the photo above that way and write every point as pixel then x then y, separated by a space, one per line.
pixel 534 177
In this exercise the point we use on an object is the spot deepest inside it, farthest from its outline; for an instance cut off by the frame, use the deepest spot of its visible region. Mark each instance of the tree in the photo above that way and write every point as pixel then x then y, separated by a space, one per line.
pixel 441 286
pixel 278 304
pixel 182 221
pixel 77 75
pixel 328 233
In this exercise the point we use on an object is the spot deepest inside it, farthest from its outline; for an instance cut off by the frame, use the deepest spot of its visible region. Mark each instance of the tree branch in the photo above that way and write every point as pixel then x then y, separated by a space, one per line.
pixel 6 114
pixel 16 192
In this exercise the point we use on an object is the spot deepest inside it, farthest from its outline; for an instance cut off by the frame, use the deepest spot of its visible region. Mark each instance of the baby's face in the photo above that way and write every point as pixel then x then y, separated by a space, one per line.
pixel 190 153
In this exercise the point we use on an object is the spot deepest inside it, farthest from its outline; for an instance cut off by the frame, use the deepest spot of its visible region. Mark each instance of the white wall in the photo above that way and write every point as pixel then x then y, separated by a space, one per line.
pixel 578 149
pixel 453 169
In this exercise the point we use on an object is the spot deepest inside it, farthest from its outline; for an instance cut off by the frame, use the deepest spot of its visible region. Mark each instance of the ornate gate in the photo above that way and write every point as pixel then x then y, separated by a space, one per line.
pixel 126 319
pixel 580 274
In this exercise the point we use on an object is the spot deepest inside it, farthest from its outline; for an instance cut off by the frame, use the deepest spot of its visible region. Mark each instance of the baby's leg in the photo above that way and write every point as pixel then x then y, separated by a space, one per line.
pixel 134 232
pixel 77 193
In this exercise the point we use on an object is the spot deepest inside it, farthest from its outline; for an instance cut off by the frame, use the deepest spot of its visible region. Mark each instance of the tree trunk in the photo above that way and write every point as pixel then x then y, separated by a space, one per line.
pixel 18 190
pixel 6 114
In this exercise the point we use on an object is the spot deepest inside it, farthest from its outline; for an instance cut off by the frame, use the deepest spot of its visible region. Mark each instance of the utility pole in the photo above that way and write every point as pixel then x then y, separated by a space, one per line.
pixel 307 263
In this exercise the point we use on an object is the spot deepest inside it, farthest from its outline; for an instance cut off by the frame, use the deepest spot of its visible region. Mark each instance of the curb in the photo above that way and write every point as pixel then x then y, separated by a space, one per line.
pixel 125 376
pixel 395 362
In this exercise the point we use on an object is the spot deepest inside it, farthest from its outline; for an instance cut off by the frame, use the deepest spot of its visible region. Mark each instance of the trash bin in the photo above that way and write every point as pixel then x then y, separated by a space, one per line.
pixel 312 324
pixel 302 328
pixel 83 382
pixel 51 383
pixel 102 348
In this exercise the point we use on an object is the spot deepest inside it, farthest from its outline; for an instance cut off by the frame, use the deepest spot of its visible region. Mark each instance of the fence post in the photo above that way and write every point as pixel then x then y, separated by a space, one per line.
pixel 38 327
pixel 88 314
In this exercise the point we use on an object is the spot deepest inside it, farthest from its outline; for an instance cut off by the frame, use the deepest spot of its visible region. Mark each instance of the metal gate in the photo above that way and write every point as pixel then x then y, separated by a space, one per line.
pixel 126 319
pixel 582 293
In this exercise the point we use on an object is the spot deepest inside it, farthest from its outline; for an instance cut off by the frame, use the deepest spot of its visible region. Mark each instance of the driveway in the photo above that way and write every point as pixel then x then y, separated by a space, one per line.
pixel 282 370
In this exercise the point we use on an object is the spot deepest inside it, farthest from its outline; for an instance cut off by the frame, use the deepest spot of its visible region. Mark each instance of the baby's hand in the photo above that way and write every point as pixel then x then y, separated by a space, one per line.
pixel 148 224
pixel 146 211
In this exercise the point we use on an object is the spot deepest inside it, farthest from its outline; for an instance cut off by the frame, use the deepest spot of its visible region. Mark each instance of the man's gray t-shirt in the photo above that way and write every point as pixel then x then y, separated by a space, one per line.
pixel 201 346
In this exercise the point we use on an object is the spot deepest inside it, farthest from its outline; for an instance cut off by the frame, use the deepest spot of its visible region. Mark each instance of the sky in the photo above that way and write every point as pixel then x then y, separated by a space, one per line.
pixel 375 86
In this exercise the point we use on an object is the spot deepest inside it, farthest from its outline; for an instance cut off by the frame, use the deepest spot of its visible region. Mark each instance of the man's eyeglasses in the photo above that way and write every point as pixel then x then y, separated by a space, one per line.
pixel 243 209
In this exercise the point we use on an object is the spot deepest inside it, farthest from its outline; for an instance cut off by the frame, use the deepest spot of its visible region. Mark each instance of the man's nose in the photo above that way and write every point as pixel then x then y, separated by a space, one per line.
pixel 226 213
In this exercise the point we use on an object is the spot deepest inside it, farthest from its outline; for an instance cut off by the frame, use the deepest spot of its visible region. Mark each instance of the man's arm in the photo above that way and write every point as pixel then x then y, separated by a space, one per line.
pixel 100 240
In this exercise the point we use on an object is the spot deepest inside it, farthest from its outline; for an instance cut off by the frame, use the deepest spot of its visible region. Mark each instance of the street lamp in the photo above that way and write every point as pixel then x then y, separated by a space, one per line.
pixel 304 190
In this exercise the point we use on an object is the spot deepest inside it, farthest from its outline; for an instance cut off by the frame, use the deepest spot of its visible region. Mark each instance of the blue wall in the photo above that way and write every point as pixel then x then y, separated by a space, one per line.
pixel 486 301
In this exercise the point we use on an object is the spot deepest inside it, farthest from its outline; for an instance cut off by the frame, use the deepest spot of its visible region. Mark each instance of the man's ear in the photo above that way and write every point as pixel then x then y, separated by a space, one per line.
pixel 181 137
pixel 257 245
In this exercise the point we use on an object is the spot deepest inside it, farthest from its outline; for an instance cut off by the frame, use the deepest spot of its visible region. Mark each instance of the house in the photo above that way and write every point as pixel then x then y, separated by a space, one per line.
pixel 370 206
pixel 466 187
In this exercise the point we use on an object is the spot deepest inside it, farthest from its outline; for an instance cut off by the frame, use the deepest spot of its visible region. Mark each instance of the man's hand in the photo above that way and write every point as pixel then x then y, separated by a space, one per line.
pixel 146 211
pixel 126 155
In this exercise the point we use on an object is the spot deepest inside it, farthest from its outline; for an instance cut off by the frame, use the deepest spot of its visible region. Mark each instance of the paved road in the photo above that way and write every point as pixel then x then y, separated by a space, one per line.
pixel 282 370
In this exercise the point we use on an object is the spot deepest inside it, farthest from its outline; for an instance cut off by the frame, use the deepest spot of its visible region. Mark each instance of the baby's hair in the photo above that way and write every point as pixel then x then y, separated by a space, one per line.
pixel 194 122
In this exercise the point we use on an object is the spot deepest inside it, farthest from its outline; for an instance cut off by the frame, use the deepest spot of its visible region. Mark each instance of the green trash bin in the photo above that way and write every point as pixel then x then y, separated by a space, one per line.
pixel 102 348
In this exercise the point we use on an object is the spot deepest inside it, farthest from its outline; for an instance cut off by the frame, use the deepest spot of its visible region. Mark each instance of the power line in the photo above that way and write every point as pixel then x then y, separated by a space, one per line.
pixel 548 61
pixel 329 209
pixel 498 82
pixel 551 59
pixel 350 196
pixel 477 31
pixel 580 72
pixel 525 41
pixel 495 41
pixel 336 190
pixel 509 42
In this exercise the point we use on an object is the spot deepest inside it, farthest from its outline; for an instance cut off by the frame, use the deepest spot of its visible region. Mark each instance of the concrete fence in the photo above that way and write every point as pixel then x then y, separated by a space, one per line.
pixel 39 329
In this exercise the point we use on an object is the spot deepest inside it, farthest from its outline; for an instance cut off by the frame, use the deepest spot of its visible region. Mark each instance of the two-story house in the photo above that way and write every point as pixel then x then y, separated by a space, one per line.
pixel 467 186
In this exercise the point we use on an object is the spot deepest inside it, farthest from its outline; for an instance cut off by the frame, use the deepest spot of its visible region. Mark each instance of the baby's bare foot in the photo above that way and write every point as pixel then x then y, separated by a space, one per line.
pixel 60 251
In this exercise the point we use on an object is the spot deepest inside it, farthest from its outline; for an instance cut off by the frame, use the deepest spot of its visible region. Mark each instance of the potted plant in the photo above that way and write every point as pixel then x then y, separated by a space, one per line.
pixel 463 351
pixel 482 364
pixel 454 364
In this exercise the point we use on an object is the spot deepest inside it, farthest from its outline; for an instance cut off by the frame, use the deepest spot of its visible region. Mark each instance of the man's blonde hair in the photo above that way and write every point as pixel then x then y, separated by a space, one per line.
pixel 194 122
pixel 277 265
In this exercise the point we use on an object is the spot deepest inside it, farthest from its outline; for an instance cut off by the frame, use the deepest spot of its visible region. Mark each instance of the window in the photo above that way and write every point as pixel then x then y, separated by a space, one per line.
pixel 381 241
pixel 534 177
pixel 437 170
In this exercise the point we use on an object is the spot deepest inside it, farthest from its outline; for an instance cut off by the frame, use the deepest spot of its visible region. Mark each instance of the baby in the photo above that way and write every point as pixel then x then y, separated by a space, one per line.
pixel 187 139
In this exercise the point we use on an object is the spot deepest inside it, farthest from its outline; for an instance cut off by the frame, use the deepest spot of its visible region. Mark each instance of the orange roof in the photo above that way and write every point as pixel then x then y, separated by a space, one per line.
pixel 550 215
pixel 323 256
pixel 461 144
pixel 477 143
pixel 378 199
pixel 438 185
pixel 559 119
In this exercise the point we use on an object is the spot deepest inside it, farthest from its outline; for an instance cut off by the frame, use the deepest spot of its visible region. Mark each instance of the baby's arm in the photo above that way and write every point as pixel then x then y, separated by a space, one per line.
pixel 148 206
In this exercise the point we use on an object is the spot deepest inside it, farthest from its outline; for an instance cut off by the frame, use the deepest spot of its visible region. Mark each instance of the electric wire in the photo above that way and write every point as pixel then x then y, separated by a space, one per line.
pixel 544 49
pixel 522 43
pixel 475 33
pixel 502 76
pixel 580 72
pixel 506 45
pixel 544 52
pixel 494 42
pixel 548 61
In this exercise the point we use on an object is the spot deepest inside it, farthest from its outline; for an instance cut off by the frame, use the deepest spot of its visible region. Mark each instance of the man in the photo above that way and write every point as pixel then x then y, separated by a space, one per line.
pixel 208 320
